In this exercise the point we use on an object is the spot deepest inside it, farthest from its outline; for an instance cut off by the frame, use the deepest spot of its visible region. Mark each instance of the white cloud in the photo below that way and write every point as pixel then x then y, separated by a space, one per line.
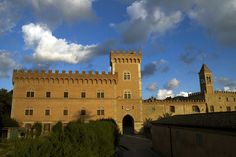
pixel 51 12
pixel 164 93
pixel 152 87
pixel 146 21
pixel 49 48
pixel 136 10
pixel 230 89
pixel 172 84
pixel 227 83
pixel 184 94
pixel 7 64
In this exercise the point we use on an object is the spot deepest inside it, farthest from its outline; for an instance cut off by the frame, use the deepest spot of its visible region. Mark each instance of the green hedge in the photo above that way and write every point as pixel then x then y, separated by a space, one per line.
pixel 93 139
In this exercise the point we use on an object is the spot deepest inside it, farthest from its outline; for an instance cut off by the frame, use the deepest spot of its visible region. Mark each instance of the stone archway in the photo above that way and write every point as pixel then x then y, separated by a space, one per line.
pixel 128 125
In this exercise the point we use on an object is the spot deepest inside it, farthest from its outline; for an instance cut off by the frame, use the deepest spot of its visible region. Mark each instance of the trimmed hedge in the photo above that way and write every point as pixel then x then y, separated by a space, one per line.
pixel 93 139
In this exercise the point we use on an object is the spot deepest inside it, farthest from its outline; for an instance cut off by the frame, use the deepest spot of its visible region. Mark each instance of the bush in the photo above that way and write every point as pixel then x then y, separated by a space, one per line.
pixel 37 129
pixel 93 139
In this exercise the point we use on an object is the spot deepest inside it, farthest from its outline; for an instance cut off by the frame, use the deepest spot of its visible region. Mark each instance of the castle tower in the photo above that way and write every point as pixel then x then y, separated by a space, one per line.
pixel 206 81
pixel 129 87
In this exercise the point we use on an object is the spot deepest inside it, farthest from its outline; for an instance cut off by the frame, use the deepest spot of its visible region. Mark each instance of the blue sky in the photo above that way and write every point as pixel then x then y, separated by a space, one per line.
pixel 176 38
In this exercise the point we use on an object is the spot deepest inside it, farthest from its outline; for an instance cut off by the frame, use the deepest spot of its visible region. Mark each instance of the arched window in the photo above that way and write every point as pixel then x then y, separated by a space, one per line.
pixel 127 94
pixel 127 75
pixel 196 109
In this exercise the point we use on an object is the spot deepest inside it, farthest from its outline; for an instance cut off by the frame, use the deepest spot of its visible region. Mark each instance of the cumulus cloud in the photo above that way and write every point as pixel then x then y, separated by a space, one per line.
pixel 152 87
pixel 51 12
pixel 155 66
pixel 172 84
pixel 7 64
pixel 227 83
pixel 145 21
pixel 62 10
pixel 49 48
pixel 164 93
pixel 156 17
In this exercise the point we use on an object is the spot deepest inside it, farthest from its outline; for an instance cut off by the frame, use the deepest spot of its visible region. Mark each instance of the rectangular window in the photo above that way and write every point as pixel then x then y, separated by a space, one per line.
pixel 83 112
pixel 48 94
pixel 234 99
pixel 83 95
pixel 100 94
pixel 26 112
pixel 66 94
pixel 47 112
pixel 227 99
pixel 30 94
pixel 211 108
pixel 65 112
pixel 29 112
pixel 228 108
pixel 172 109
pixel 102 112
pixel 98 112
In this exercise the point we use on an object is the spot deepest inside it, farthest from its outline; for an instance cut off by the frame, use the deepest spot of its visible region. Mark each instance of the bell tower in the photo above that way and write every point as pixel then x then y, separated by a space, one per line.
pixel 206 81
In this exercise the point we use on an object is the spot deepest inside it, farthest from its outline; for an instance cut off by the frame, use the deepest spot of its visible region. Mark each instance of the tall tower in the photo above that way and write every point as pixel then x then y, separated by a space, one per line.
pixel 127 65
pixel 128 89
pixel 206 81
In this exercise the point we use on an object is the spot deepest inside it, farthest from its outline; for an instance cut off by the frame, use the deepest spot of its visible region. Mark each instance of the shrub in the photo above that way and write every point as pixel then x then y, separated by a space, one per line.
pixel 37 129
pixel 94 139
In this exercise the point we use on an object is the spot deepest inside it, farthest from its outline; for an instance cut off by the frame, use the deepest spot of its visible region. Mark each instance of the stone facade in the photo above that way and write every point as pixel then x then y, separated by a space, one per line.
pixel 48 97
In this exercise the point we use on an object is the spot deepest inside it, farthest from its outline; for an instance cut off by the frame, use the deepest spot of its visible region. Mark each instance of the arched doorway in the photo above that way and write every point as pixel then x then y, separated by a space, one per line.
pixel 128 125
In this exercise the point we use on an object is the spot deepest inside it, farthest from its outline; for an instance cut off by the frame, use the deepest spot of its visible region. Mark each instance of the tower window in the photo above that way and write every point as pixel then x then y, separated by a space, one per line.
pixel 48 94
pixel 30 94
pixel 83 94
pixel 208 79
pixel 66 94
pixel 172 109
pixel 83 112
pixel 100 94
pixel 228 108
pixel 47 112
pixel 127 95
pixel 65 112
pixel 227 99
pixel 127 76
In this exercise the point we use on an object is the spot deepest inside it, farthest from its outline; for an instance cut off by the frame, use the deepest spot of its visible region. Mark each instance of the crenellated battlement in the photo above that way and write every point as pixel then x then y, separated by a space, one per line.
pixel 150 101
pixel 63 76
pixel 224 92
pixel 195 94
pixel 125 57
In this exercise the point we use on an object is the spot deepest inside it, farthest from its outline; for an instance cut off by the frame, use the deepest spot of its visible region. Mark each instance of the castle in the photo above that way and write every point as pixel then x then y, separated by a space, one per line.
pixel 49 97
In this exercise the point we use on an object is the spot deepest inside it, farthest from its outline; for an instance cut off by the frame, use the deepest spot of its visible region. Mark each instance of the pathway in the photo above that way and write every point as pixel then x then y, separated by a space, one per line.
pixel 135 146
